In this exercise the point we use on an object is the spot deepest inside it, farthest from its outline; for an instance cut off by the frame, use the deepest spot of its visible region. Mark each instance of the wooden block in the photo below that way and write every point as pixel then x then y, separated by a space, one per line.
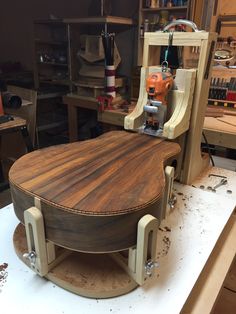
pixel 212 111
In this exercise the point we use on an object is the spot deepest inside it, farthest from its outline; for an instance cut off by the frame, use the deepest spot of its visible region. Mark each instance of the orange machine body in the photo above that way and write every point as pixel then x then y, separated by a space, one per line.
pixel 158 85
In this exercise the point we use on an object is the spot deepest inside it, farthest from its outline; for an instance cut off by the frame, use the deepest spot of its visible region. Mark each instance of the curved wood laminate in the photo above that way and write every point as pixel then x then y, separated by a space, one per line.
pixel 94 192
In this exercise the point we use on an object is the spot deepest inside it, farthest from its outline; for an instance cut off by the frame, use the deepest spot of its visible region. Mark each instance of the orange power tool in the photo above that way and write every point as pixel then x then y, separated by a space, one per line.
pixel 158 85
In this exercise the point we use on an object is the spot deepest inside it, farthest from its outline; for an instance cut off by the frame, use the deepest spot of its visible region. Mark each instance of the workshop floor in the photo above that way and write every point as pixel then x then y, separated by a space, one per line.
pixel 226 302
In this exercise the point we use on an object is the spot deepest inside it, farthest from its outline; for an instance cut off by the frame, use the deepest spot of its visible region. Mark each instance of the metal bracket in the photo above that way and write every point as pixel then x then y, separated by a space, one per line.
pixel 141 259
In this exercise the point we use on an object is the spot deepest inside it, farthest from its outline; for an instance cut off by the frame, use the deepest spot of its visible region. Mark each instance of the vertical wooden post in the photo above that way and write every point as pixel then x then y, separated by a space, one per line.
pixel 194 162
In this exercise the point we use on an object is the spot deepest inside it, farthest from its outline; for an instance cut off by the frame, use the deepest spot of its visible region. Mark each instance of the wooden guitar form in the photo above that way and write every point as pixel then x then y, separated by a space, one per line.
pixel 93 193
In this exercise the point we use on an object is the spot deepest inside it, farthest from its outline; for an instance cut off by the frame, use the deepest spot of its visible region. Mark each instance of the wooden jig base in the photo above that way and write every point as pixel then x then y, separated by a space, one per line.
pixel 89 275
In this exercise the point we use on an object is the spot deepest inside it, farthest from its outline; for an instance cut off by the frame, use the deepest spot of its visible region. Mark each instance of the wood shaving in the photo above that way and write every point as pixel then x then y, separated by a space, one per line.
pixel 3 274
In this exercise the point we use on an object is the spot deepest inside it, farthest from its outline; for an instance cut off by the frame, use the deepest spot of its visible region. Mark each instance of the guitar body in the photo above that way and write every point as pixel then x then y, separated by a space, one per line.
pixel 93 193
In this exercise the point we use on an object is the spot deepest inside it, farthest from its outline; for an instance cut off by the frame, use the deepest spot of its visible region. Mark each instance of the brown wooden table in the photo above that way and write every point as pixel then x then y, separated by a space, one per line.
pixel 73 102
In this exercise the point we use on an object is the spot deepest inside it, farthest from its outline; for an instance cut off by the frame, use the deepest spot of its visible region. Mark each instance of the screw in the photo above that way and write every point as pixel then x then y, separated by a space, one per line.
pixel 172 201
pixel 150 266
pixel 31 257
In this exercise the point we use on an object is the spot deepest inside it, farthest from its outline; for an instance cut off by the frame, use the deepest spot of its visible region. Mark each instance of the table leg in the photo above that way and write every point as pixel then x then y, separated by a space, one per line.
pixel 73 123
pixel 1 170
pixel 3 184
pixel 27 139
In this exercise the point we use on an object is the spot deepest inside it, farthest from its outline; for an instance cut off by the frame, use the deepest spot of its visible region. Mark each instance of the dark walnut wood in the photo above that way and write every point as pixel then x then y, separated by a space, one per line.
pixel 94 192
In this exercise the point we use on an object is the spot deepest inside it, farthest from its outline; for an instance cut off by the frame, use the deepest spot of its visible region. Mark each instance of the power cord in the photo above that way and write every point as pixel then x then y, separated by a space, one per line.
pixel 208 149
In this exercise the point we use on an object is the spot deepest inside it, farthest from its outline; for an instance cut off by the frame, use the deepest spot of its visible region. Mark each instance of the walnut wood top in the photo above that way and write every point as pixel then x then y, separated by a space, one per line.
pixel 116 173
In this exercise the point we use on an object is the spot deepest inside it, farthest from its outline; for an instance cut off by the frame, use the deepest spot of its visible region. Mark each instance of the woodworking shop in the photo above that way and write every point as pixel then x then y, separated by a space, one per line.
pixel 118 157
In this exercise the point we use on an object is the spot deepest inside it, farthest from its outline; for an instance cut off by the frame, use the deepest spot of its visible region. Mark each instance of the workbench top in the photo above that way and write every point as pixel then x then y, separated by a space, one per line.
pixel 186 239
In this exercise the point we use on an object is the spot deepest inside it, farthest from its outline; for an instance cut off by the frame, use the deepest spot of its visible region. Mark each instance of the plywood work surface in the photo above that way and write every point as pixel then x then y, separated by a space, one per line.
pixel 221 131
pixel 209 179
pixel 185 242
pixel 226 123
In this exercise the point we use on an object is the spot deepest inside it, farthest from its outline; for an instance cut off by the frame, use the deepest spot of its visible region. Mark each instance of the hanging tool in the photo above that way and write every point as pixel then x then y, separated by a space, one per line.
pixel 170 55
pixel 165 63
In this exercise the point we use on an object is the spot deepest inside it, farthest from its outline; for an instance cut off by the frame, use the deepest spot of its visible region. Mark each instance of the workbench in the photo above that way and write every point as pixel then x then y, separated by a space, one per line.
pixel 221 131
pixel 196 246
pixel 73 102
pixel 218 131
pixel 16 125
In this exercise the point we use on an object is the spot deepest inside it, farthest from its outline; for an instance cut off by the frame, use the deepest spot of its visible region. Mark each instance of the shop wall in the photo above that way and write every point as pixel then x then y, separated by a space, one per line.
pixel 16 24
pixel 225 7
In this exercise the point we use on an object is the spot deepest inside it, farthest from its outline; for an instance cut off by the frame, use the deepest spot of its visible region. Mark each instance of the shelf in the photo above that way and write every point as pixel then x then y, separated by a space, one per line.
pixel 49 21
pixel 55 82
pixel 50 95
pixel 50 42
pixel 100 20
pixel 54 64
pixel 222 103
pixel 182 8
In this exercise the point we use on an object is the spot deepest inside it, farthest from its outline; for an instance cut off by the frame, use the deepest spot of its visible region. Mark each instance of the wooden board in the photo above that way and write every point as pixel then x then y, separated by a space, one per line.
pixel 28 108
pixel 9 126
pixel 230 120
pixel 100 20
pixel 226 124
pixel 94 191
pixel 220 131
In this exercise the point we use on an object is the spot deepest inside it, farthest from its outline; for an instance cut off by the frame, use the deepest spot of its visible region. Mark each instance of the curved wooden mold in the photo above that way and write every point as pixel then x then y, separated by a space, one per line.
pixel 99 277
pixel 93 193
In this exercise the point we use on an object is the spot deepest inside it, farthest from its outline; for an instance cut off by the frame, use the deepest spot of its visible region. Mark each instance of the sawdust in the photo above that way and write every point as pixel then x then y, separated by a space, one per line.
pixel 3 274
pixel 166 242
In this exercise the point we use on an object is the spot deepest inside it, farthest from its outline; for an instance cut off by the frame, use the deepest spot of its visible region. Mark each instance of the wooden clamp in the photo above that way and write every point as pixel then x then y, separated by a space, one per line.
pixel 168 200
pixel 41 252
pixel 141 259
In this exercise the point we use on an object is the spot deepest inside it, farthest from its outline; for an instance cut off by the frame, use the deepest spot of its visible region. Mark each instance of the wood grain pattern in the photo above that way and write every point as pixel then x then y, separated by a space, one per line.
pixel 96 190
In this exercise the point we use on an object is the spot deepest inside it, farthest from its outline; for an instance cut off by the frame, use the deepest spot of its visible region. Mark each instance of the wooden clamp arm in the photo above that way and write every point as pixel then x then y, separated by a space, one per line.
pixel 141 259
